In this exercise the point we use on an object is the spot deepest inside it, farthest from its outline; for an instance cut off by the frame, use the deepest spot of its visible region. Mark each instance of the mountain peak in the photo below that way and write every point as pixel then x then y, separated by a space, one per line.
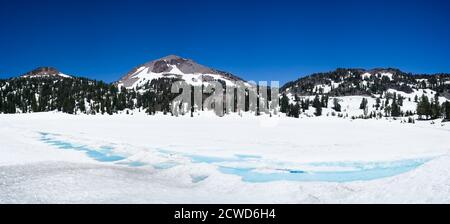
pixel 173 66
pixel 44 72
pixel 171 57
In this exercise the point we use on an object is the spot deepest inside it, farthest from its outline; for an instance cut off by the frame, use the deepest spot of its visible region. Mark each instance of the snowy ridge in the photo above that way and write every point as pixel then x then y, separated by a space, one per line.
pixel 351 104
pixel 45 72
pixel 349 87
pixel 174 67
pixel 365 82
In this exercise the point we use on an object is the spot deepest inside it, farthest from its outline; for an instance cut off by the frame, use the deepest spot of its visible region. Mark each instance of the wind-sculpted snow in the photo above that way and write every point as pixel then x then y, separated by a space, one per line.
pixel 58 158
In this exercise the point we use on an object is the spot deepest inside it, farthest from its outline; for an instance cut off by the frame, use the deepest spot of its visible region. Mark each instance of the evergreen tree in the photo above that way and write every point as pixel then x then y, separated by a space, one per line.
pixel 318 111
pixel 68 105
pixel 34 106
pixel 363 104
pixel 400 101
pixel 82 106
pixel 395 109
pixel 284 108
pixel 294 110
pixel 387 111
pixel 318 105
pixel 336 105
pixel 1 102
pixel 324 101
pixel 446 108
pixel 378 103
pixel 435 108
pixel 305 104
pixel 424 107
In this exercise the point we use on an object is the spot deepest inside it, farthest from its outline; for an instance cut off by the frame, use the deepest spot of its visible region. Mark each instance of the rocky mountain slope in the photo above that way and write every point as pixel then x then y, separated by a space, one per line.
pixel 45 72
pixel 351 82
pixel 360 93
pixel 356 93
pixel 174 67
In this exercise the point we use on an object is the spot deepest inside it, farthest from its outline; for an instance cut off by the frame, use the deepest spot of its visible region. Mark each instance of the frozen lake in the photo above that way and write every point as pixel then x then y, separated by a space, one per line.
pixel 59 158
pixel 260 170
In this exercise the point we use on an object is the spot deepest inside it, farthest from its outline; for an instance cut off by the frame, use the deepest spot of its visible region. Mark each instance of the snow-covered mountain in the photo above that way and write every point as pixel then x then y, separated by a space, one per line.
pixel 382 89
pixel 174 67
pixel 45 72
pixel 343 92
pixel 351 82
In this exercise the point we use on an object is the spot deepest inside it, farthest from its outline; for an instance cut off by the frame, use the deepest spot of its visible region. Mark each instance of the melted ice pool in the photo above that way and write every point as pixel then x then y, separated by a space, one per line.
pixel 253 168
pixel 361 172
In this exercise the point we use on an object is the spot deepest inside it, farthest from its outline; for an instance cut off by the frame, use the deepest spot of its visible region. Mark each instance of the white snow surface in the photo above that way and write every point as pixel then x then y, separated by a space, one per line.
pixel 144 75
pixel 32 171
pixel 40 75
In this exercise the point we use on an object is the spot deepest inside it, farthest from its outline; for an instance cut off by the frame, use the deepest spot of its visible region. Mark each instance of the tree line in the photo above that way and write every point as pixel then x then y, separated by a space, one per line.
pixel 387 105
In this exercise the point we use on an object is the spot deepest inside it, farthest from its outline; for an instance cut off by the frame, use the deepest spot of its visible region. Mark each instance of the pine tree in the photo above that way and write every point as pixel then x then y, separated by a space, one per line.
pixel 68 105
pixel 424 107
pixel 435 108
pixel 363 104
pixel 446 108
pixel 108 106
pixel 294 110
pixel 34 106
pixel 324 101
pixel 318 111
pixel 378 103
pixel 297 110
pixel 1 102
pixel 336 105
pixel 400 101
pixel 395 109
pixel 387 111
pixel 318 105
pixel 82 106
pixel 284 107
pixel 305 104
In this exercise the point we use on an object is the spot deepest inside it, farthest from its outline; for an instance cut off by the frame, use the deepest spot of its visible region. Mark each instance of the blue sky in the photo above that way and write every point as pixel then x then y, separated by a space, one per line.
pixel 257 40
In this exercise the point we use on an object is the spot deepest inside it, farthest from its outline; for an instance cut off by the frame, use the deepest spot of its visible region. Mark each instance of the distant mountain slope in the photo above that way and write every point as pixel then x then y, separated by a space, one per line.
pixel 45 72
pixel 374 93
pixel 344 93
pixel 174 67
pixel 47 89
pixel 351 82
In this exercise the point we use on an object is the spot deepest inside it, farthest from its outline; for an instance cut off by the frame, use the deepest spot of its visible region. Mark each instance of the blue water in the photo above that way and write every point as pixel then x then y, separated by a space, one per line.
pixel 360 172
pixel 133 163
pixel 165 165
pixel 208 159
pixel 103 154
pixel 353 171
pixel 242 156
pixel 197 179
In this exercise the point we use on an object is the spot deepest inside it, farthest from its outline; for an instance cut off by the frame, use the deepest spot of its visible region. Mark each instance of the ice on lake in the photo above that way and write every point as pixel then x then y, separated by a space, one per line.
pixel 253 168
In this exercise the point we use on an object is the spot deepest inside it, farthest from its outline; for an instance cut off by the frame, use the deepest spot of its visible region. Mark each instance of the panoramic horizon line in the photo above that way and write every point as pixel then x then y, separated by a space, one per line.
pixel 170 56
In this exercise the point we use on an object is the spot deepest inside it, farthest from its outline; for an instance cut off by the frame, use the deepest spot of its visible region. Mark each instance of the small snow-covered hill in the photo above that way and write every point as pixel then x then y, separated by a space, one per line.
pixel 45 72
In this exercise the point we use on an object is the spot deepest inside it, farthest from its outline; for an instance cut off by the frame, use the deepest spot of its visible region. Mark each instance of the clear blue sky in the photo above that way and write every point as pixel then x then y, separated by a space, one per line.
pixel 257 40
